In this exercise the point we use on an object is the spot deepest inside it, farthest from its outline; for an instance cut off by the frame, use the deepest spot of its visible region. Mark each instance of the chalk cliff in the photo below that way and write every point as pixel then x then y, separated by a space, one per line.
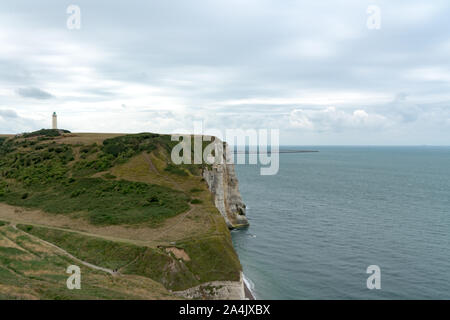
pixel 223 184
pixel 216 290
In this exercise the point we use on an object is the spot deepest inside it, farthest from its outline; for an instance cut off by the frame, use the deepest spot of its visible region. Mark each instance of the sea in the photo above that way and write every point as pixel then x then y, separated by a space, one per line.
pixel 317 225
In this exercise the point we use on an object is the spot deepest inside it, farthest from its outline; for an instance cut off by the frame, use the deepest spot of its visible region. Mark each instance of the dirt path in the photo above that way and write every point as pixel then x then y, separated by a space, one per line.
pixel 150 162
pixel 87 264
pixel 139 235
pixel 155 171
pixel 152 240
pixel 19 220
pixel 16 245
pixel 181 219
pixel 176 186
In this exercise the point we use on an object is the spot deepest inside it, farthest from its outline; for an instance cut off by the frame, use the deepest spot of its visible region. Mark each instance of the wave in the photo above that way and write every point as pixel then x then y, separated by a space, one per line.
pixel 250 285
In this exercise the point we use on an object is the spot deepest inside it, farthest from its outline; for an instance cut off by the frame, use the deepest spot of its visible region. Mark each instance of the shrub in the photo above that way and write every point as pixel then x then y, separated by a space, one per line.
pixel 109 176
pixel 45 133
pixel 176 170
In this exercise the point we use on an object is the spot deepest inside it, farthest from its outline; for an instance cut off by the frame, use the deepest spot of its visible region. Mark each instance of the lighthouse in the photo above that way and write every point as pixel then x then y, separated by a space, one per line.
pixel 54 121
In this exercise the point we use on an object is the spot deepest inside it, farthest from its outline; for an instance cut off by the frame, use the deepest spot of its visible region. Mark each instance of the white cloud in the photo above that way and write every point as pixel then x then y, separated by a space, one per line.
pixel 316 97
pixel 246 64
pixel 332 119
pixel 412 13
pixel 312 48
pixel 434 73
pixel 299 119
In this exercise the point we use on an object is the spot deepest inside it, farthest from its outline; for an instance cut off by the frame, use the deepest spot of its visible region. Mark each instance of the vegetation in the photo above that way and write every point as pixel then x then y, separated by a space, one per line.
pixel 33 270
pixel 107 202
pixel 178 170
pixel 214 259
pixel 47 176
pixel 113 183
pixel 109 176
pixel 210 259
pixel 45 133
pixel 108 254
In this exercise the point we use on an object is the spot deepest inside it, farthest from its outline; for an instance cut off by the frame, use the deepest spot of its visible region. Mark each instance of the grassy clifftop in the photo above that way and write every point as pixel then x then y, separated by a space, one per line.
pixel 116 201
pixel 41 173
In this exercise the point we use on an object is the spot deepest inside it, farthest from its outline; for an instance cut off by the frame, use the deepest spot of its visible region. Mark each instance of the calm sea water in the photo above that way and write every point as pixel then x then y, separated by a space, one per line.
pixel 327 216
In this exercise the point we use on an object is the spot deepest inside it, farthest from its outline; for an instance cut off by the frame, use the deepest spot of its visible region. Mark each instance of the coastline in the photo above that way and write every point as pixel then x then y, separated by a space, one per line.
pixel 223 184
pixel 248 294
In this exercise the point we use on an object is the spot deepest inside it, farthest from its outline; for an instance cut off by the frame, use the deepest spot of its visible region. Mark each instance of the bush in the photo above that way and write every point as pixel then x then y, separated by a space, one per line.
pixel 45 133
pixel 109 176
pixel 176 170
pixel 57 187
pixel 107 202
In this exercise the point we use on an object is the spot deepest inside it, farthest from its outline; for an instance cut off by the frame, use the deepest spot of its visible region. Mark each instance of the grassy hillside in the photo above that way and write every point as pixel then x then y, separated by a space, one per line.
pixel 116 201
pixel 42 173
pixel 30 269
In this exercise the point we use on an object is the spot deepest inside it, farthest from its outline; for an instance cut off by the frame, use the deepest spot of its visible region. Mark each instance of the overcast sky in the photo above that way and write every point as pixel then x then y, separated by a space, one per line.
pixel 312 69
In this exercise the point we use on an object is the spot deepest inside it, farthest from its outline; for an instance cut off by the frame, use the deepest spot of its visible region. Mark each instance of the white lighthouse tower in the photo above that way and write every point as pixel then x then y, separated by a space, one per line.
pixel 54 121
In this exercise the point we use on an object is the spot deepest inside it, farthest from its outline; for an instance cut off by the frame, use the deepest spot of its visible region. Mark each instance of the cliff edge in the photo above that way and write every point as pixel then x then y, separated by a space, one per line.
pixel 224 185
pixel 119 204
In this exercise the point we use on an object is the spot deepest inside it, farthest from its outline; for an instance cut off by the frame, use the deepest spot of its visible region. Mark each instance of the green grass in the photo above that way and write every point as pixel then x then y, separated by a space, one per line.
pixel 108 254
pixel 58 178
pixel 47 176
pixel 212 259
pixel 10 251
pixel 39 273
pixel 109 176
pixel 106 202
pixel 144 261
pixel 176 169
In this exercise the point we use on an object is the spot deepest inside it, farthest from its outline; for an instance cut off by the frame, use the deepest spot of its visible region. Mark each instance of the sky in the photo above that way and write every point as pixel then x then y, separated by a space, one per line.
pixel 312 69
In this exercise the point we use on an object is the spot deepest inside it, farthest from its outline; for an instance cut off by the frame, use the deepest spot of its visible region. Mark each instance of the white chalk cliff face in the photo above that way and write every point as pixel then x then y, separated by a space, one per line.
pixel 216 290
pixel 224 185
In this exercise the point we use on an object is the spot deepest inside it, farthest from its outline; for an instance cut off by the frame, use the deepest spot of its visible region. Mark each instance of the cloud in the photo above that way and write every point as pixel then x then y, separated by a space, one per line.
pixel 158 65
pixel 299 119
pixel 11 122
pixel 8 114
pixel 34 93
pixel 434 74
pixel 332 119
